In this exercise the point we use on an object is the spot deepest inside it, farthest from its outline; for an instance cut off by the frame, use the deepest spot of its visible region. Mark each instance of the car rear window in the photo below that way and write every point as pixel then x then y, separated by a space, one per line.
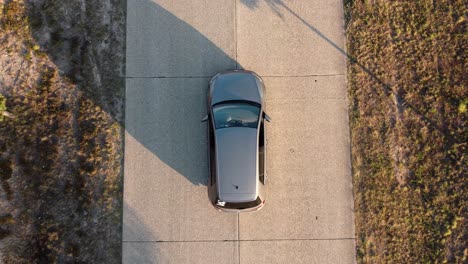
pixel 236 115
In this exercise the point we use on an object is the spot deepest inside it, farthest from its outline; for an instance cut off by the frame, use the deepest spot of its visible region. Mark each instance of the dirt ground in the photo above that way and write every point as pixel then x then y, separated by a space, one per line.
pixel 61 149
pixel 408 93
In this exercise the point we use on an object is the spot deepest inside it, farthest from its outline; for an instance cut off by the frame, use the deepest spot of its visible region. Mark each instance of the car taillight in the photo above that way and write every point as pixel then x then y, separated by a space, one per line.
pixel 220 203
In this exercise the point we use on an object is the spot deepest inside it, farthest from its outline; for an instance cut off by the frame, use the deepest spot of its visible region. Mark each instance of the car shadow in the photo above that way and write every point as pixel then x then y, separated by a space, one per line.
pixel 165 103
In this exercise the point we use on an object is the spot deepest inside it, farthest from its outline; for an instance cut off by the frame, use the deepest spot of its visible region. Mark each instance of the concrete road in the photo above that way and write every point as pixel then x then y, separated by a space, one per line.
pixel 173 48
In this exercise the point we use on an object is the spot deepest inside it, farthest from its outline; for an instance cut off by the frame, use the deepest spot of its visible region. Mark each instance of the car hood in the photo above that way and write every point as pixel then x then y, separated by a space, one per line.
pixel 236 86
pixel 236 153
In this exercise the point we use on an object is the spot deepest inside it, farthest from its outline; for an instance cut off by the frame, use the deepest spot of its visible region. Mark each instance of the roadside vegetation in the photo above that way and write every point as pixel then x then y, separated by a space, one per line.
pixel 408 97
pixel 61 98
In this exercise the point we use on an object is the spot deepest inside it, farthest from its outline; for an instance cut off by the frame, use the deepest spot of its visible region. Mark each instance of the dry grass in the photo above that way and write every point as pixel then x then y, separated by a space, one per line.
pixel 408 99
pixel 61 149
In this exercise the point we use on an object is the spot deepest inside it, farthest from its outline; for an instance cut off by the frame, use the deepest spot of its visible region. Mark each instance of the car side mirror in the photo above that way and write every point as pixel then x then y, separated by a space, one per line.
pixel 204 118
pixel 266 117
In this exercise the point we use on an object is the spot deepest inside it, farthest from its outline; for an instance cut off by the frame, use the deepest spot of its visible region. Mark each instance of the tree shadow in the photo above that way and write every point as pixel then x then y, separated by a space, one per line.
pixel 275 5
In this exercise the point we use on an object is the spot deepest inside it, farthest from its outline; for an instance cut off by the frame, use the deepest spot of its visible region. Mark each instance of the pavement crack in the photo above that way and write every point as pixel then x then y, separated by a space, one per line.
pixel 303 76
pixel 166 77
pixel 238 237
pixel 236 240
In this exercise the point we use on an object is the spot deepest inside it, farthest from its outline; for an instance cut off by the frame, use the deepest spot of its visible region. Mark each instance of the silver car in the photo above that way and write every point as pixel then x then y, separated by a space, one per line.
pixel 237 143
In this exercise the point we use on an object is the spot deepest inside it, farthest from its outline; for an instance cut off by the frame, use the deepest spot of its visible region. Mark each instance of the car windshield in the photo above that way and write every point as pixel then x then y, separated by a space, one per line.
pixel 236 115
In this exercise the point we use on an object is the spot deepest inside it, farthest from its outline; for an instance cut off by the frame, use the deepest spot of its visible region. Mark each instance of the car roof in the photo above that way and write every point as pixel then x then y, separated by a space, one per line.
pixel 236 85
pixel 236 156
